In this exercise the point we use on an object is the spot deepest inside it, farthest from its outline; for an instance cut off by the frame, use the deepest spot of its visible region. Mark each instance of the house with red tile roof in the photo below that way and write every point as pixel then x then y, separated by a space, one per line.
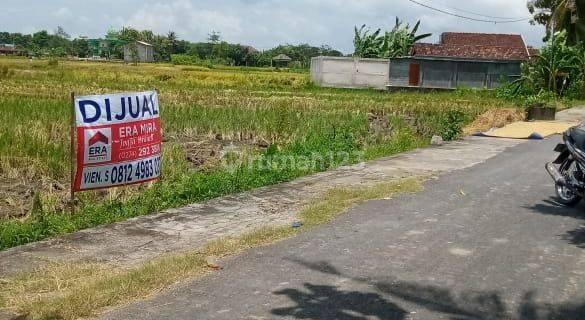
pixel 476 60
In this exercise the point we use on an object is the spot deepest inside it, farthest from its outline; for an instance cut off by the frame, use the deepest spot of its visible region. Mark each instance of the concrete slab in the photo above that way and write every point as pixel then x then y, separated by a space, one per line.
pixel 572 114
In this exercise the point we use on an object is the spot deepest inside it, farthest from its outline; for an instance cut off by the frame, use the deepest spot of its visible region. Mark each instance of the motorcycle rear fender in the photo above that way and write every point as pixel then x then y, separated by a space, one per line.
pixel 560 147
pixel 564 153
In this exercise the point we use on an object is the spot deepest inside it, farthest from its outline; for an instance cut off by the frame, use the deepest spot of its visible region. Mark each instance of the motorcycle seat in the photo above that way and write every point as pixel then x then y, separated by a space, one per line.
pixel 578 136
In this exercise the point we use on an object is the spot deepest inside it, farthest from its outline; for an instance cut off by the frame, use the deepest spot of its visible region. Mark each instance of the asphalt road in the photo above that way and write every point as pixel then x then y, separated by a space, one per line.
pixel 486 242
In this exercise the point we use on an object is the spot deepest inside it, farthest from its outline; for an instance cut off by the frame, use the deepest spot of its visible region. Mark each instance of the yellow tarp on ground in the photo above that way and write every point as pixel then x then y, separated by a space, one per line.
pixel 526 129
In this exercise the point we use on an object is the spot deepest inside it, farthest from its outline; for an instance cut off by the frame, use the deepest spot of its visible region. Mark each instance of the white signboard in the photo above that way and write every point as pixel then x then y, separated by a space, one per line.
pixel 118 140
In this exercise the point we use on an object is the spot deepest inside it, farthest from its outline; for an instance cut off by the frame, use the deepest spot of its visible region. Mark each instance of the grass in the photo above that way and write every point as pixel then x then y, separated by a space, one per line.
pixel 210 117
pixel 64 291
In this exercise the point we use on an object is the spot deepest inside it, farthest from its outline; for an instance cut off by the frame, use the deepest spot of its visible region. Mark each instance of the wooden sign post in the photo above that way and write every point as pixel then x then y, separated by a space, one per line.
pixel 72 153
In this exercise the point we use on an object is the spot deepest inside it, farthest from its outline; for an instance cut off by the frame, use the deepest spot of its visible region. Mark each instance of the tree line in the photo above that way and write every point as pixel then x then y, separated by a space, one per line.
pixel 167 47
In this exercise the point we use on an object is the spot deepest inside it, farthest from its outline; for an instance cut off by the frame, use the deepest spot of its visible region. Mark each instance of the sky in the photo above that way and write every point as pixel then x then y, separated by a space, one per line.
pixel 263 23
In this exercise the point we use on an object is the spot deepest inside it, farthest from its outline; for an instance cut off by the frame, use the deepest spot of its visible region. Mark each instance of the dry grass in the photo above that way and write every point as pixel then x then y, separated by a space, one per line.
pixel 494 118
pixel 65 291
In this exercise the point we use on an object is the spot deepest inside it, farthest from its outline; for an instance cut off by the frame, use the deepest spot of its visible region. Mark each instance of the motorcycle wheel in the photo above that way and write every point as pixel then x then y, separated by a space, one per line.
pixel 564 195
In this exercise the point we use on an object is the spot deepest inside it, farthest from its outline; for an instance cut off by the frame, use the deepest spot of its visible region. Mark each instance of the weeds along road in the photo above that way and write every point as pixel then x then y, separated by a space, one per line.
pixel 486 242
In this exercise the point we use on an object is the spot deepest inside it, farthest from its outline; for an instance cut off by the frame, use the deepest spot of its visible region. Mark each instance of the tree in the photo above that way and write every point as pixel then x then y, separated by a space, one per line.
pixel 126 34
pixel 214 37
pixel 237 54
pixel 79 48
pixel 60 32
pixel 220 50
pixel 173 41
pixel 162 48
pixel 558 15
pixel 202 50
pixel 146 36
pixel 41 39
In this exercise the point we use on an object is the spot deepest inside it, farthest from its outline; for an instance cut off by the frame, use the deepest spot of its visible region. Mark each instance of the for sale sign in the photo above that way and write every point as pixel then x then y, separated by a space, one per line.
pixel 118 140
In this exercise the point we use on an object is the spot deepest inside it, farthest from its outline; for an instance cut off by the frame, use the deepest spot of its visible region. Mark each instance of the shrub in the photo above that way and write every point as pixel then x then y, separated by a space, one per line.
pixel 452 124
pixel 184 59
pixel 540 99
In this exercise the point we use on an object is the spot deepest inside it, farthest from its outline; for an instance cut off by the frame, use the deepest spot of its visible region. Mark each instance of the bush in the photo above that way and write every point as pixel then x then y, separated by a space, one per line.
pixel 184 59
pixel 559 69
pixel 539 100
pixel 452 124
pixel 576 90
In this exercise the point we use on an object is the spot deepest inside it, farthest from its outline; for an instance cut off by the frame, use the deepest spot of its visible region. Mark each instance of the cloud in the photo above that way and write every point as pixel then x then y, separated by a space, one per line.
pixel 261 23
pixel 185 18
pixel 62 12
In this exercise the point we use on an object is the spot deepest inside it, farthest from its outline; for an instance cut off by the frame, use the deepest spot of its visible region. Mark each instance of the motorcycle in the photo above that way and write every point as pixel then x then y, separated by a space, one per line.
pixel 568 170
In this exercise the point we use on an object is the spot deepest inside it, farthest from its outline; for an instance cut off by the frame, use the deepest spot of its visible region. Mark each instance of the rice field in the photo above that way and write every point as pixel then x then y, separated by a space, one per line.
pixel 225 130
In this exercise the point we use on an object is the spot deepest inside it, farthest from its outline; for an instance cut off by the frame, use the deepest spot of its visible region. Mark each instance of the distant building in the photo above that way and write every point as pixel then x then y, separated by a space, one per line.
pixel 138 51
pixel 281 61
pixel 11 50
pixel 474 60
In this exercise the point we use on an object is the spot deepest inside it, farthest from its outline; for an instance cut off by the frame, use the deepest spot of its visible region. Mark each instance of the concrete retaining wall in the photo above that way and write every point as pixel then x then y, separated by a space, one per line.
pixel 349 72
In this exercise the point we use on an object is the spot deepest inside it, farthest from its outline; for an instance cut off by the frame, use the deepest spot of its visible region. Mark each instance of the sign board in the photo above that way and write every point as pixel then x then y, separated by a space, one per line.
pixel 118 140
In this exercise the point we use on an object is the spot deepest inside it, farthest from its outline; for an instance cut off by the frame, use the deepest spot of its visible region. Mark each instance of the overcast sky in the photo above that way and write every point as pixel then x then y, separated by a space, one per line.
pixel 260 23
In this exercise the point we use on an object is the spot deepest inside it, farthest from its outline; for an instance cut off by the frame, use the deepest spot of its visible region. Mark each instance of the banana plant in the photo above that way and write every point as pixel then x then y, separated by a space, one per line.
pixel 366 44
pixel 394 43
pixel 554 68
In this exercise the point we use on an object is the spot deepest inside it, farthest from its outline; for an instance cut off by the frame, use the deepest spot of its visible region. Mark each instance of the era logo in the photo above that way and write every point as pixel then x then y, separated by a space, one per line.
pixel 98 145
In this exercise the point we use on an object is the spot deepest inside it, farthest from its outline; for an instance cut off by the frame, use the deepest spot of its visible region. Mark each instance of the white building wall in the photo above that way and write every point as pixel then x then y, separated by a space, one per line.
pixel 145 53
pixel 349 72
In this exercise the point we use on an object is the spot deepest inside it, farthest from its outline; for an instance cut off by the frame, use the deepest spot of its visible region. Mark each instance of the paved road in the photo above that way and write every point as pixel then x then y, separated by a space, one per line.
pixel 486 242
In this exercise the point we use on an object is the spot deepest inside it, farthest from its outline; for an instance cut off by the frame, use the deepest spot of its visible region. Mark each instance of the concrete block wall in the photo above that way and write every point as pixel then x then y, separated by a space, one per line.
pixel 350 72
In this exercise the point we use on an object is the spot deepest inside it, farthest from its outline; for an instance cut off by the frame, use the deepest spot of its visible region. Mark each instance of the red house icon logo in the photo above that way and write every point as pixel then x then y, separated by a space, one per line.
pixel 98 145
pixel 98 137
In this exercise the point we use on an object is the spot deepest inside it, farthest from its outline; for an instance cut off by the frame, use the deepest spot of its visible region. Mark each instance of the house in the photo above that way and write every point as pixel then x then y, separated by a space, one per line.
pixel 138 51
pixel 475 60
pixel 11 50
